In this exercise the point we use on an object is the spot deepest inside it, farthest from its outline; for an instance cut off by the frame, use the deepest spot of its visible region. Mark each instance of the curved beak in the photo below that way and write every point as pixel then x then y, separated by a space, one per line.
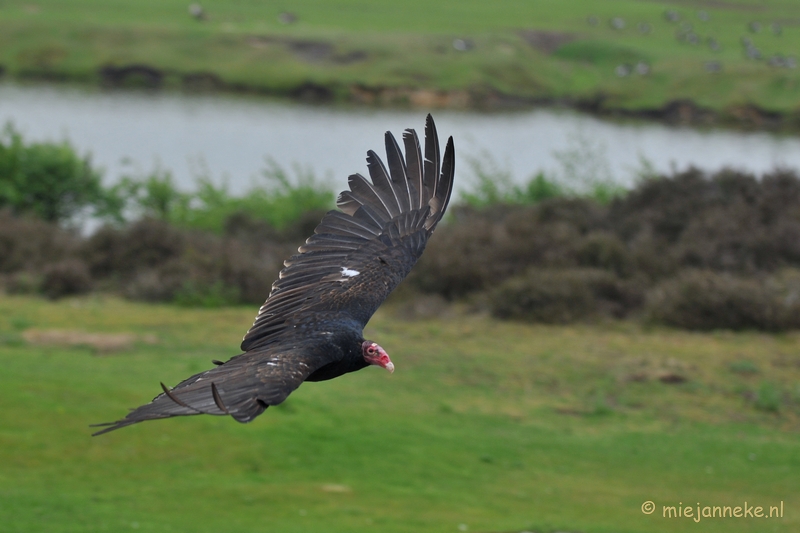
pixel 381 358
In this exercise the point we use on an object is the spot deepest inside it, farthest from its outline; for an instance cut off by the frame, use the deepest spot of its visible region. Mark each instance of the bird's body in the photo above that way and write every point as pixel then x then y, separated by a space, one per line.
pixel 310 328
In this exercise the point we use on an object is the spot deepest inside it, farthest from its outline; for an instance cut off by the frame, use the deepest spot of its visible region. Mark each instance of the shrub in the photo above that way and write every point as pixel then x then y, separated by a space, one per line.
pixel 480 248
pixel 48 180
pixel 561 296
pixel 706 300
pixel 726 238
pixel 23 283
pixel 543 296
pixel 66 278
pixel 154 261
pixel 250 268
pixel 662 207
pixel 153 196
pixel 493 185
pixel 153 285
pixel 29 244
pixel 277 200
pixel 459 258
pixel 120 252
pixel 780 194
pixel 601 249
pixel 720 251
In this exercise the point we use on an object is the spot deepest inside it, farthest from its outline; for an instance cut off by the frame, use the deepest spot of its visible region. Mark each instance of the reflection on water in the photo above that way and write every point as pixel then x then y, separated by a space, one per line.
pixel 230 136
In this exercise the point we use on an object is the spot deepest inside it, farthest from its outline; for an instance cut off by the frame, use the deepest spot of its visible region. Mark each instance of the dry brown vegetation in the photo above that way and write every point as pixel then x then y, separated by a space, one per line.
pixel 692 250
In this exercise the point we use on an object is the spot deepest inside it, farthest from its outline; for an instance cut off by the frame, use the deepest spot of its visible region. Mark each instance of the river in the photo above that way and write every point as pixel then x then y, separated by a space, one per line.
pixel 228 137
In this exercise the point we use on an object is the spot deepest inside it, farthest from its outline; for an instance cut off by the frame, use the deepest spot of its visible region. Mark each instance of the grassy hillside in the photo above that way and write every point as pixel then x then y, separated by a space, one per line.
pixel 383 51
pixel 485 426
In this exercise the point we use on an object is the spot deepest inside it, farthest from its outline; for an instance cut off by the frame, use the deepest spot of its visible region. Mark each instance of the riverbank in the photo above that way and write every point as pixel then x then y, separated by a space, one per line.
pixel 730 64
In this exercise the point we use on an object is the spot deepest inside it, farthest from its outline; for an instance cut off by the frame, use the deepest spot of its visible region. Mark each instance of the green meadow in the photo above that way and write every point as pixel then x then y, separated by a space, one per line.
pixel 485 426
pixel 537 49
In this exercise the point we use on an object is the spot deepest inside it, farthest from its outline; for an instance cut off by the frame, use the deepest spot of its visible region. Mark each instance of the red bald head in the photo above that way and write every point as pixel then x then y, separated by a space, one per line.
pixel 375 355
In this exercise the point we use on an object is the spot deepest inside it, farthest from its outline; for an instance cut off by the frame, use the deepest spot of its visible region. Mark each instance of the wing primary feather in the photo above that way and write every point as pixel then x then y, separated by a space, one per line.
pixel 218 399
pixel 347 202
pixel 307 258
pixel 432 157
pixel 383 184
pixel 445 184
pixel 398 172
pixel 364 192
pixel 414 167
pixel 340 222
pixel 368 215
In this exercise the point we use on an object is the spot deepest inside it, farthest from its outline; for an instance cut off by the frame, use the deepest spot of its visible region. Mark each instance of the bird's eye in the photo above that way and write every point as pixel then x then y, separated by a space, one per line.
pixel 371 349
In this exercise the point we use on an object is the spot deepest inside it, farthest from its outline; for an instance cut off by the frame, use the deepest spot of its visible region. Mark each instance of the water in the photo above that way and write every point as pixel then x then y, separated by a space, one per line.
pixel 229 137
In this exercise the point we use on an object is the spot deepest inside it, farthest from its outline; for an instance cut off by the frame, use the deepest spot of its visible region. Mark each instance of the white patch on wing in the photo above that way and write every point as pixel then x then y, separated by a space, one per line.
pixel 349 273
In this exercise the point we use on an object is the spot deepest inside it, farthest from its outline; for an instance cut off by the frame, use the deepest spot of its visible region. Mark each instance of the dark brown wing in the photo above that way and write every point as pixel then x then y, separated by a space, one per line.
pixel 328 291
pixel 242 388
pixel 357 256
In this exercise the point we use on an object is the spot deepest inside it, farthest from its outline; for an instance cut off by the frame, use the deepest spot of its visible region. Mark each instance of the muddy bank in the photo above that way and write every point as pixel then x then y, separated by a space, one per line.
pixel 678 112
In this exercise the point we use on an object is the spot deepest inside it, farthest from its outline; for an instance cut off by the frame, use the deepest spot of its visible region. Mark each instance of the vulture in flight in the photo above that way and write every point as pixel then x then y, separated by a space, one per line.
pixel 311 326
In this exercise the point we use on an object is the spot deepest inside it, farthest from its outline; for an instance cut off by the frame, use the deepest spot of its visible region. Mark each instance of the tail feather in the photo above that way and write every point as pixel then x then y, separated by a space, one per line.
pixel 203 393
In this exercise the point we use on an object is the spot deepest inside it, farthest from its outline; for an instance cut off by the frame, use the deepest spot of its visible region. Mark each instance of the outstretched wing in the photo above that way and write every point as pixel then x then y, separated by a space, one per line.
pixel 358 255
pixel 243 388
pixel 327 291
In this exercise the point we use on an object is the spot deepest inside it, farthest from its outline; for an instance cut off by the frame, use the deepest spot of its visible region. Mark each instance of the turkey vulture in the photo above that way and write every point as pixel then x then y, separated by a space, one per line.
pixel 310 327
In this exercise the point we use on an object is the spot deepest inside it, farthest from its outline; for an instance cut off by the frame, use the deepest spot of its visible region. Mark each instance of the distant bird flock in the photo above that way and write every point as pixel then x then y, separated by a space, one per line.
pixel 687 33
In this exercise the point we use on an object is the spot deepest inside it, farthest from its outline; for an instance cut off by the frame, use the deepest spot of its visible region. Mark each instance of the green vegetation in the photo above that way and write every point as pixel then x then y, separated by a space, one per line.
pixel 492 186
pixel 48 180
pixel 691 250
pixel 497 426
pixel 428 55
pixel 51 181
pixel 584 173
pixel 279 200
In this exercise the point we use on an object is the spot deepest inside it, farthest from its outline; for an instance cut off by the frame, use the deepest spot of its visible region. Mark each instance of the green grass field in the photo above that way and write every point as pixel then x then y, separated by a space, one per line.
pixel 485 426
pixel 409 46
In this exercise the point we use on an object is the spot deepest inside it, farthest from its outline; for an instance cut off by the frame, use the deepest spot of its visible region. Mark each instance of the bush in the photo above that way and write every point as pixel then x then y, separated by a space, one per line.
pixel 719 251
pixel 121 252
pixel 601 249
pixel 480 248
pixel 277 200
pixel 152 260
pixel 562 296
pixel 493 186
pixel 66 278
pixel 661 207
pixel 48 180
pixel 30 244
pixel 707 300
pixel 459 258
